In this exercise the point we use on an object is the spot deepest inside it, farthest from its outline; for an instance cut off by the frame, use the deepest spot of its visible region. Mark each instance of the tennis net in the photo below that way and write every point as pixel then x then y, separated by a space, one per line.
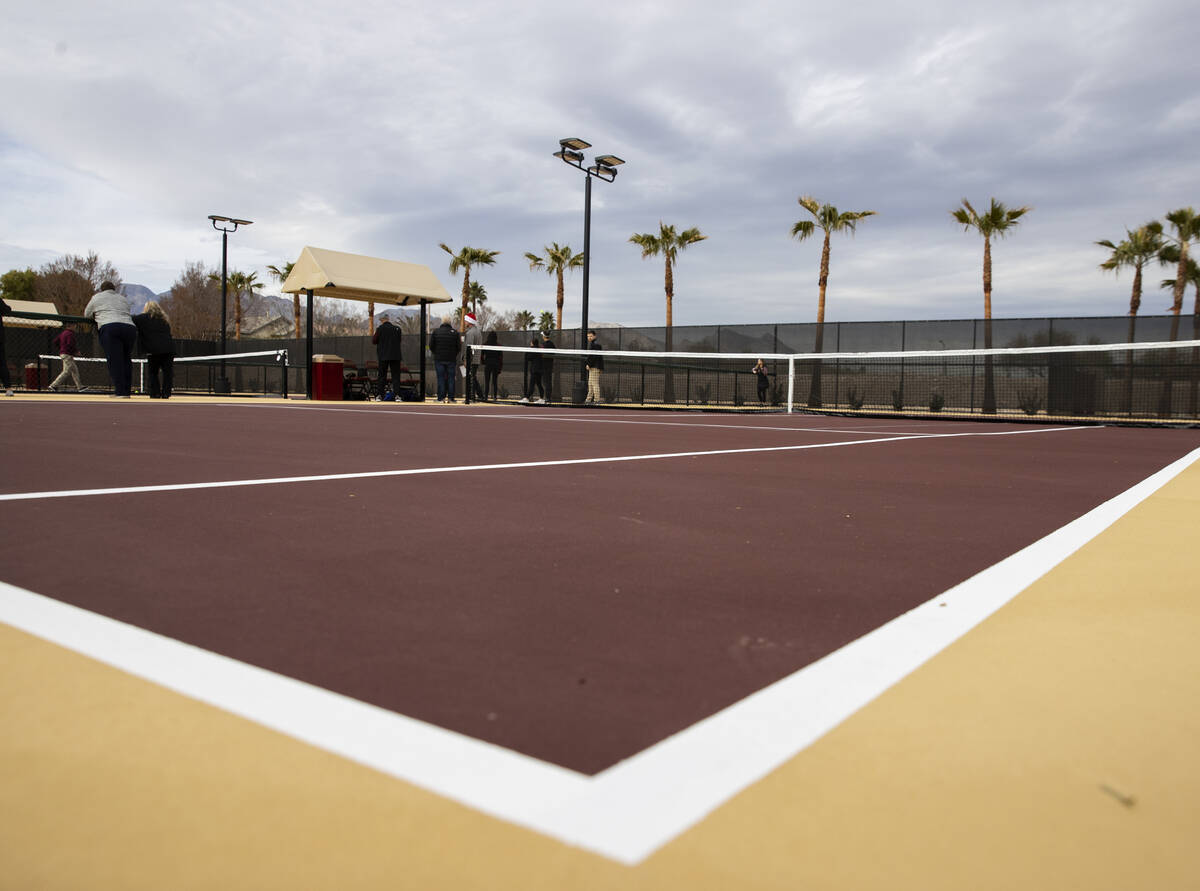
pixel 254 373
pixel 1150 381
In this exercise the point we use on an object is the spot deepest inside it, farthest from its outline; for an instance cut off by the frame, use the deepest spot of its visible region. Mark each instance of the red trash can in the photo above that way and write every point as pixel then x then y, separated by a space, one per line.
pixel 36 377
pixel 327 377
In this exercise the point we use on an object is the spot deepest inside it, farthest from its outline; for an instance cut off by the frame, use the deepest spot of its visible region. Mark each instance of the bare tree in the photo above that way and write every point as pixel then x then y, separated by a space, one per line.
pixel 194 304
pixel 70 281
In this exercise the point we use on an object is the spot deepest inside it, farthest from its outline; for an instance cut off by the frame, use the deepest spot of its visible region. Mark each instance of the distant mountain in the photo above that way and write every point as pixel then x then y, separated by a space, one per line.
pixel 137 296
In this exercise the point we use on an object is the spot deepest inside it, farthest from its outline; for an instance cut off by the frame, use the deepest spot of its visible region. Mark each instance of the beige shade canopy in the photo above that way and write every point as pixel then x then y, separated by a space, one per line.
pixel 355 277
pixel 32 306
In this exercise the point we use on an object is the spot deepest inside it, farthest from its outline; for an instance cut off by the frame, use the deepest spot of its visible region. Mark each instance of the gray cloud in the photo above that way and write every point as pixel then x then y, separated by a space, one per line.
pixel 386 128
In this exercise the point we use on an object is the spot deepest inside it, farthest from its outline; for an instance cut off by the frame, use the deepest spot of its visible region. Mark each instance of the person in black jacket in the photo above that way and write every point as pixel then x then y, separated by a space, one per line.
pixel 548 366
pixel 387 350
pixel 444 343
pixel 4 378
pixel 493 362
pixel 154 332
pixel 533 372
pixel 595 365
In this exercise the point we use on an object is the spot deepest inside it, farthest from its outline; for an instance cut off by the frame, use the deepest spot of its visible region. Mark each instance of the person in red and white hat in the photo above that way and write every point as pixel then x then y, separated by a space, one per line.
pixel 473 338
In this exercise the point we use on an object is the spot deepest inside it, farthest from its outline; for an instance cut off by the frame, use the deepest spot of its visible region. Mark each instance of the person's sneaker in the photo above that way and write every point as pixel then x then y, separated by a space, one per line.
pixel 9 392
pixel 539 401
pixel 524 400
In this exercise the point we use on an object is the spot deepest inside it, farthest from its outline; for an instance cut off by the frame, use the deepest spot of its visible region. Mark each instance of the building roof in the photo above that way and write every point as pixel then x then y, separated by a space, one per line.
pixel 32 306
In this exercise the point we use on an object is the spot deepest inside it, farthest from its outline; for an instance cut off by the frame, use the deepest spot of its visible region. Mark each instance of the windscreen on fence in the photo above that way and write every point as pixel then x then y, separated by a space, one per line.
pixel 1132 381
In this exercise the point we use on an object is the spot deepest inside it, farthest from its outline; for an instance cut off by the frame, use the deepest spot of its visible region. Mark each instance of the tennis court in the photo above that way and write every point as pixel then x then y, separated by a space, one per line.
pixel 492 646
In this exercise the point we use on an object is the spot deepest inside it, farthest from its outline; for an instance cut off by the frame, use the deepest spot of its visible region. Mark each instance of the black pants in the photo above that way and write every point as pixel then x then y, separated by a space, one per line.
pixel 548 378
pixel 491 383
pixel 384 365
pixel 535 380
pixel 4 378
pixel 118 340
pixel 161 364
pixel 762 391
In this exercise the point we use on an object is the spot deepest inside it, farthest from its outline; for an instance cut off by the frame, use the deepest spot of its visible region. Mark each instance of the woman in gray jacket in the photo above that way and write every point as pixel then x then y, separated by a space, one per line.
pixel 110 311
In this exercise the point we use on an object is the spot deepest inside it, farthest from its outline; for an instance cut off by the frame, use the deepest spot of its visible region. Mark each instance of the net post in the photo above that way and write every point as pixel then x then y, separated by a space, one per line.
pixel 282 356
pixel 791 382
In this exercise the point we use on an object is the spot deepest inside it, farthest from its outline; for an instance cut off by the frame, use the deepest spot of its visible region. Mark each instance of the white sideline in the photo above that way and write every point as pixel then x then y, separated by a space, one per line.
pixel 630 810
pixel 421 471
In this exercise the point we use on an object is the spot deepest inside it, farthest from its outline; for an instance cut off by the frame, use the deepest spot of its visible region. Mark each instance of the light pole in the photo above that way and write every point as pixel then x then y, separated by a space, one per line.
pixel 603 167
pixel 222 386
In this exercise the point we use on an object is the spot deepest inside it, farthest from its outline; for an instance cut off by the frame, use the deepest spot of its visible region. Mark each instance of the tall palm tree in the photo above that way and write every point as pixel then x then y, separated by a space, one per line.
pixel 1169 254
pixel 668 242
pixel 1141 246
pixel 240 283
pixel 558 259
pixel 477 295
pixel 998 220
pixel 828 219
pixel 545 321
pixel 523 320
pixel 281 273
pixel 1185 225
pixel 464 260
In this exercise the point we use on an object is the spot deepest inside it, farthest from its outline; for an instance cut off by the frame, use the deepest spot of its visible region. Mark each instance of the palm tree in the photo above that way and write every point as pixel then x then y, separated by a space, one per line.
pixel 1186 225
pixel 996 221
pixel 281 273
pixel 827 218
pixel 239 283
pixel 1140 247
pixel 523 320
pixel 477 295
pixel 558 259
pixel 464 260
pixel 669 243
pixel 1170 254
pixel 545 321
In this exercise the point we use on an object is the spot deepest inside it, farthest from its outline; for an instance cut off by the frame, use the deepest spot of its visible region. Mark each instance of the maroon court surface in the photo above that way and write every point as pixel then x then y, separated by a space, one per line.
pixel 573 612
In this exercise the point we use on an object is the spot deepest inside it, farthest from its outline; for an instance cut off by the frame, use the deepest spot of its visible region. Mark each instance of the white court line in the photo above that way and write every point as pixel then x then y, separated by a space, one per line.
pixel 421 471
pixel 635 807
pixel 547 414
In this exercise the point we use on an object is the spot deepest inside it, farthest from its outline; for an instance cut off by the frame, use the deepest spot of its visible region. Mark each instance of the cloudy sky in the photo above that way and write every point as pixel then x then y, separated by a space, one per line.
pixel 384 128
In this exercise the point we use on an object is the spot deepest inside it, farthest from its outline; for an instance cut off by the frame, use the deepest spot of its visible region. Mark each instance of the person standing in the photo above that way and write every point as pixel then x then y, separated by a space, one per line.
pixel 493 362
pixel 472 338
pixel 595 365
pixel 444 343
pixel 4 378
pixel 760 378
pixel 548 366
pixel 68 349
pixel 387 339
pixel 118 336
pixel 154 331
pixel 533 372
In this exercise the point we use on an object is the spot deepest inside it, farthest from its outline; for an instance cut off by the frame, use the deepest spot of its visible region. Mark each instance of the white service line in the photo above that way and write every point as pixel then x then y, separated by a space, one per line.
pixel 630 810
pixel 421 471
pixel 548 415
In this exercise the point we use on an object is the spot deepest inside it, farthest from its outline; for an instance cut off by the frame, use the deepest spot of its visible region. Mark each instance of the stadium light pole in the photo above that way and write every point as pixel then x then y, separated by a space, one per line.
pixel 222 385
pixel 570 151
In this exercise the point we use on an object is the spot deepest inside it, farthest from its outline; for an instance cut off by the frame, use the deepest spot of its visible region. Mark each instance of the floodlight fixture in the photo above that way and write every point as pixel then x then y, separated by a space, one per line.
pixel 236 222
pixel 222 384
pixel 603 167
